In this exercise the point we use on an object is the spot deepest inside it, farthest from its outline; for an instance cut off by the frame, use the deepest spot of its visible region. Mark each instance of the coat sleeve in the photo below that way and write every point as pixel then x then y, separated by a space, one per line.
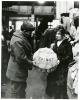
pixel 68 54
pixel 19 55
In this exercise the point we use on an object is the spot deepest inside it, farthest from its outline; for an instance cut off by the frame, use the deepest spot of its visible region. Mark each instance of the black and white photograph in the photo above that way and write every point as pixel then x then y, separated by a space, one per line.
pixel 39 49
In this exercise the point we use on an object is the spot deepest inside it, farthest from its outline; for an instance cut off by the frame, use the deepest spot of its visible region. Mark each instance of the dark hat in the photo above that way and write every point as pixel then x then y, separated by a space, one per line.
pixel 27 26
pixel 59 27
pixel 65 14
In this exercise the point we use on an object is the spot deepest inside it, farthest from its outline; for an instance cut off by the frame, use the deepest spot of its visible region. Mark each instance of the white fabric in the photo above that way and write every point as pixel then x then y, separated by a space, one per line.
pixel 75 50
pixel 45 58
pixel 58 43
pixel 73 78
pixel 74 32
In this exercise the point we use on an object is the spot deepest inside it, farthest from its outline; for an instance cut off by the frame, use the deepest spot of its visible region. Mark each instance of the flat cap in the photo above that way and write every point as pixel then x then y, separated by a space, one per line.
pixel 27 26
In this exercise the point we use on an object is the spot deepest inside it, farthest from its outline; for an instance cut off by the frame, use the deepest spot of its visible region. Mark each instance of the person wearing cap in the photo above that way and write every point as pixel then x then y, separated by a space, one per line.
pixel 20 60
pixel 65 21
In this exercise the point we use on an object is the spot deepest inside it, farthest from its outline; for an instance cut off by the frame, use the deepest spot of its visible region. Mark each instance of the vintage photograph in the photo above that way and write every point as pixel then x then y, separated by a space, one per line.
pixel 39 49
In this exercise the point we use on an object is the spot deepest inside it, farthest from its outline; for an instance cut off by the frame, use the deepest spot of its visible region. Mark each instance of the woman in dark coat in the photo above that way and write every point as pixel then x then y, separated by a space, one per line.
pixel 57 80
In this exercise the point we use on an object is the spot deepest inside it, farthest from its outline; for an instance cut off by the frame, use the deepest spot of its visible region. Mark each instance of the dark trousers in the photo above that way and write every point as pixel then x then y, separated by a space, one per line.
pixel 18 89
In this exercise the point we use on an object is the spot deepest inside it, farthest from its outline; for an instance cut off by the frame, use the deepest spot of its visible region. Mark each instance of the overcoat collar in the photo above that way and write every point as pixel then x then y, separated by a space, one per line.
pixel 25 39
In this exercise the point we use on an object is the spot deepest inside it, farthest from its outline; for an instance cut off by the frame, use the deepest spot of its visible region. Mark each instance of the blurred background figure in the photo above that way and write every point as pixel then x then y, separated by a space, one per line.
pixel 65 21
pixel 11 31
pixel 74 31
pixel 5 54
pixel 4 59
pixel 72 81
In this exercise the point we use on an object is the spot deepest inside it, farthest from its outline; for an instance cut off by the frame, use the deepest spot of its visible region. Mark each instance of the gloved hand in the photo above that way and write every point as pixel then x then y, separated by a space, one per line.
pixel 52 45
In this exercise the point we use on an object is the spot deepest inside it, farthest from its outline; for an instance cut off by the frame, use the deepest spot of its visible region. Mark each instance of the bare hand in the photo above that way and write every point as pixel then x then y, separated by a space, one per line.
pixel 34 63
pixel 52 45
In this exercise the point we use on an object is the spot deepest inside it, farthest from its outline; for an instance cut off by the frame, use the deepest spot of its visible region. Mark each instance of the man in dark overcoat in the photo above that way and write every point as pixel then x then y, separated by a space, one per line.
pixel 20 60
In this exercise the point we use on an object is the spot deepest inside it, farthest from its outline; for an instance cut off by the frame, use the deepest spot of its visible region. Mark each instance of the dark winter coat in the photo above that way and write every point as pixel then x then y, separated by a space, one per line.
pixel 20 58
pixel 65 55
pixel 57 80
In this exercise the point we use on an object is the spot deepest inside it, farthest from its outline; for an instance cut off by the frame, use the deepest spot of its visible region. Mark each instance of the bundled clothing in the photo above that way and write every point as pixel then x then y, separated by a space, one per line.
pixel 11 33
pixel 57 80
